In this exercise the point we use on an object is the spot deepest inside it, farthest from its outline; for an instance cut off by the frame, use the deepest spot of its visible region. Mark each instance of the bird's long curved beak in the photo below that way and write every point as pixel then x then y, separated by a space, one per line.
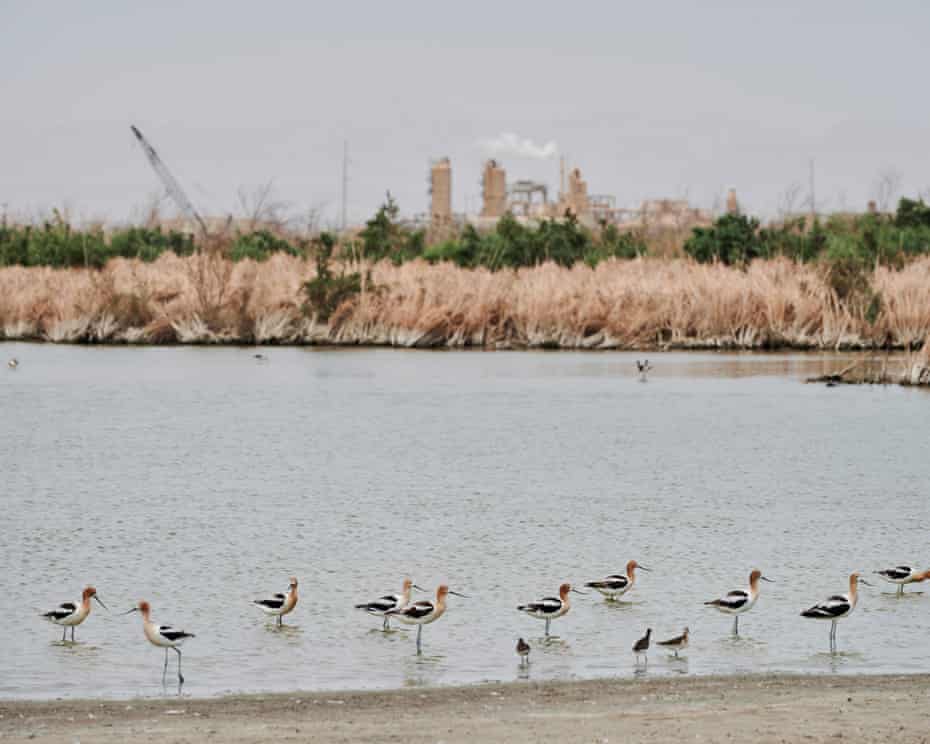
pixel 464 596
pixel 766 578
pixel 418 588
pixel 100 601
pixel 577 592
pixel 134 609
pixel 863 581
pixel 642 568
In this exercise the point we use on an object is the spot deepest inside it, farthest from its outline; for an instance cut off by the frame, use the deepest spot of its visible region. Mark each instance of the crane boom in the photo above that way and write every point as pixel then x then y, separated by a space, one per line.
pixel 170 182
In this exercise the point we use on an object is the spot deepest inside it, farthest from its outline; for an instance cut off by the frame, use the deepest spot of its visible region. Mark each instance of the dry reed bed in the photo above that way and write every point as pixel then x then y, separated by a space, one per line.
pixel 620 304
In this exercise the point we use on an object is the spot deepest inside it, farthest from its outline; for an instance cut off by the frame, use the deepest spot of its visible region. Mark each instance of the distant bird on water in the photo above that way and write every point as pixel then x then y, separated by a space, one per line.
pixel 13 363
pixel 72 614
pixel 424 612
pixel 381 606
pixel 279 605
pixel 740 600
pixel 644 369
pixel 162 636
pixel 641 647
pixel 260 357
pixel 616 585
pixel 676 644
pixel 523 651
pixel 837 607
pixel 902 575
pixel 550 608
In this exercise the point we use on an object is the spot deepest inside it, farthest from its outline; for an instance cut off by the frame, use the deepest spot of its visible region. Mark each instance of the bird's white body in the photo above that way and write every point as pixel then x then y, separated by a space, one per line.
pixel 162 636
pixel 69 614
pixel 423 612
pixel 837 607
pixel 279 605
pixel 550 608
pixel 903 575
pixel 13 363
pixel 616 585
pixel 739 601
pixel 381 606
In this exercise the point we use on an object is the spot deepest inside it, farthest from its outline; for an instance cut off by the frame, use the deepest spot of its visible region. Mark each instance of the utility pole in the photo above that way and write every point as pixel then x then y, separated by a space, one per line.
pixel 345 182
pixel 813 193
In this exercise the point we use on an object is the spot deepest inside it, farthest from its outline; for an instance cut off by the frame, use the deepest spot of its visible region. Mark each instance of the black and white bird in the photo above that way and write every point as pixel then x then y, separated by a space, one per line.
pixel 523 651
pixel 641 648
pixel 837 607
pixel 162 636
pixel 13 363
pixel 260 357
pixel 72 614
pixel 676 644
pixel 279 605
pixel 382 605
pixel 423 612
pixel 643 368
pixel 616 585
pixel 740 600
pixel 550 608
pixel 903 575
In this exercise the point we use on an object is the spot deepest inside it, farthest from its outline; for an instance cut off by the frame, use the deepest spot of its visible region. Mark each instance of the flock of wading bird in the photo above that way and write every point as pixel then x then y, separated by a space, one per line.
pixel 423 612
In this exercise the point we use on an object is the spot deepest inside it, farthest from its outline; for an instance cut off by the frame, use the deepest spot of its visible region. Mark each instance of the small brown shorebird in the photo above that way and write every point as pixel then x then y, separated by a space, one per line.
pixel 641 647
pixel 676 644
pixel 523 651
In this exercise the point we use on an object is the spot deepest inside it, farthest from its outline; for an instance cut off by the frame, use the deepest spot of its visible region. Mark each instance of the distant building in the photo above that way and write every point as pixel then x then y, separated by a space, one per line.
pixel 441 194
pixel 493 190
pixel 732 203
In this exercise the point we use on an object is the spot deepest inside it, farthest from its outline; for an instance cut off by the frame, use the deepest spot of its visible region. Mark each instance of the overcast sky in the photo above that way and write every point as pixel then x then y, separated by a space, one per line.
pixel 657 99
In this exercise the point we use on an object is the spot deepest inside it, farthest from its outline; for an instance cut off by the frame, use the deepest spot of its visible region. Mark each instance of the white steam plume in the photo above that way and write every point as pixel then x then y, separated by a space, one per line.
pixel 511 144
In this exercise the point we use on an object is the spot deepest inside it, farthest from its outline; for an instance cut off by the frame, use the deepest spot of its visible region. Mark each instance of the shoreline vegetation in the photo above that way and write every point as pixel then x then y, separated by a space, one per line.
pixel 854 282
pixel 763 708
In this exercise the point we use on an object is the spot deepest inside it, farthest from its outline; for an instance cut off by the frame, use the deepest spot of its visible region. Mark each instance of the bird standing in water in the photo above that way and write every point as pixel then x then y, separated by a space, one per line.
pixel 523 651
pixel 740 600
pixel 676 644
pixel 72 614
pixel 162 636
pixel 279 605
pixel 641 648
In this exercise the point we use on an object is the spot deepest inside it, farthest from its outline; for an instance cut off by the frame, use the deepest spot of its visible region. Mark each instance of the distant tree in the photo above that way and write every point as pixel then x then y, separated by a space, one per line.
pixel 732 239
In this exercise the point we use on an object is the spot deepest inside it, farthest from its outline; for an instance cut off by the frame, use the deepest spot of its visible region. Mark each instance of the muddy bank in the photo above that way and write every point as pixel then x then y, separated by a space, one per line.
pixel 770 708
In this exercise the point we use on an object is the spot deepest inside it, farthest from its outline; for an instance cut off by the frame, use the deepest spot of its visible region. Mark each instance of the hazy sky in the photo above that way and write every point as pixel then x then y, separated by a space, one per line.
pixel 654 99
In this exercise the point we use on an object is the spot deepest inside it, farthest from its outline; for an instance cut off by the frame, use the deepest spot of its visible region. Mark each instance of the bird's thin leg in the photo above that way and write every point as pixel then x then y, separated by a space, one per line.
pixel 419 632
pixel 736 625
pixel 547 627
pixel 165 670
pixel 64 634
pixel 386 625
pixel 180 676
pixel 72 634
pixel 900 590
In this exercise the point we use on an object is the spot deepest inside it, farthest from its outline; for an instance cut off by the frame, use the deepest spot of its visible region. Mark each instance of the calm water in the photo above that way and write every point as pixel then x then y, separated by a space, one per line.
pixel 200 478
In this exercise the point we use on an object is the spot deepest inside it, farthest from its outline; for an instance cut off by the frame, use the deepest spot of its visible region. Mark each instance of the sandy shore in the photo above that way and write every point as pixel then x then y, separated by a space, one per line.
pixel 773 708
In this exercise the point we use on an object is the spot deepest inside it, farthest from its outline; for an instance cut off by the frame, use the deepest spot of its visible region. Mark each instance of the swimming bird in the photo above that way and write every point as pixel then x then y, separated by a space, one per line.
pixel 644 368
pixel 278 605
pixel 550 608
pixel 902 575
pixel 13 363
pixel 641 647
pixel 382 605
pixel 838 606
pixel 71 614
pixel 740 600
pixel 260 357
pixel 423 612
pixel 163 636
pixel 676 644
pixel 616 585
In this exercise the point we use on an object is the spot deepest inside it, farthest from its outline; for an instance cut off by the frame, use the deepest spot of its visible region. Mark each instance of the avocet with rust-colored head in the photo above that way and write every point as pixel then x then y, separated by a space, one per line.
pixel 740 600
pixel 550 608
pixel 837 607
pixel 279 605
pixel 163 636
pixel 72 614
pixel 616 585
pixel 382 605
pixel 423 612
pixel 903 575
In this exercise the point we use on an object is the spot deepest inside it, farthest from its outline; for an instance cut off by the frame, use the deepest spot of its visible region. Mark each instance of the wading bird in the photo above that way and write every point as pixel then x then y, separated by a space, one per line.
pixel 71 614
pixel 740 600
pixel 13 363
pixel 837 607
pixel 616 585
pixel 644 369
pixel 523 651
pixel 382 605
pixel 641 648
pixel 902 575
pixel 163 636
pixel 550 608
pixel 676 644
pixel 278 605
pixel 423 612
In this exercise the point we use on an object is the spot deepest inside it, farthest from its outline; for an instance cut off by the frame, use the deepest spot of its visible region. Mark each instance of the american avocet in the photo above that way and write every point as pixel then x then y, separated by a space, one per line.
pixel 616 585
pixel 676 644
pixel 641 647
pixel 163 636
pixel 740 600
pixel 644 368
pixel 838 606
pixel 550 608
pixel 278 605
pixel 13 363
pixel 382 605
pixel 523 651
pixel 423 612
pixel 902 575
pixel 72 614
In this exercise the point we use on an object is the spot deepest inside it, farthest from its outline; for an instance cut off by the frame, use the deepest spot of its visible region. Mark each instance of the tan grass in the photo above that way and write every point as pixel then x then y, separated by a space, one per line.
pixel 645 303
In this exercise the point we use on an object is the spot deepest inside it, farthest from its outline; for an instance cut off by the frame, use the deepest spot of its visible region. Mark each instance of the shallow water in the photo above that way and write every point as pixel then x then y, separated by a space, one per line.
pixel 199 478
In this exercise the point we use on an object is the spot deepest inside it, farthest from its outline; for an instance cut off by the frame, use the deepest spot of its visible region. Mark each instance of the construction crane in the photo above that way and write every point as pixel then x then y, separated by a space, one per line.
pixel 170 182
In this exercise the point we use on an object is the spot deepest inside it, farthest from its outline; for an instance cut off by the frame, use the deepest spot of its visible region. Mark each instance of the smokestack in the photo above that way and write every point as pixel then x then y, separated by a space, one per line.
pixel 732 203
